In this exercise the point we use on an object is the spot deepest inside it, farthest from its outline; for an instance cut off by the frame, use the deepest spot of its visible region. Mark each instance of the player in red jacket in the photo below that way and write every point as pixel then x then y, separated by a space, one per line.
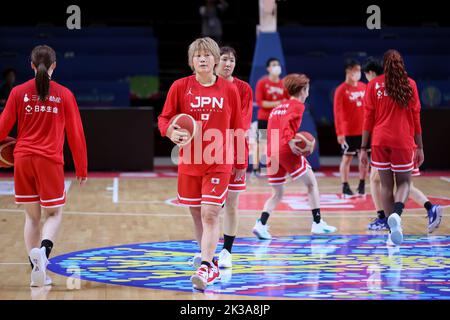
pixel 392 117
pixel 269 93
pixel 286 158
pixel 348 120
pixel 373 68
pixel 44 111
pixel 205 164
pixel 225 70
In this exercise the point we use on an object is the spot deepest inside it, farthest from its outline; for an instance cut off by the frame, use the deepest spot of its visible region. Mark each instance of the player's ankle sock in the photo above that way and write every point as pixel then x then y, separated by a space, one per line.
pixel 48 246
pixel 206 263
pixel 381 214
pixel 362 183
pixel 346 187
pixel 398 208
pixel 264 217
pixel 316 215
pixel 228 242
pixel 428 205
pixel 32 266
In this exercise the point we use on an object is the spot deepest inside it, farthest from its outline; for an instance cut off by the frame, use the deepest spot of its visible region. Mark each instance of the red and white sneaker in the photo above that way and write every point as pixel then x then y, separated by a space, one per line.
pixel 205 276
pixel 200 278
pixel 215 271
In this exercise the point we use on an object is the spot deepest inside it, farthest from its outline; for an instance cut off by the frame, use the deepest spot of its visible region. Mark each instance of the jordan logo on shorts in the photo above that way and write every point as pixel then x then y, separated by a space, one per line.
pixel 215 181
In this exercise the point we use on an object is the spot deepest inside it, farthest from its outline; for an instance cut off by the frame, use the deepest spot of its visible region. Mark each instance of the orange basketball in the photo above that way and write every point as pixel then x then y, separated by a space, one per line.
pixel 307 142
pixel 6 152
pixel 186 123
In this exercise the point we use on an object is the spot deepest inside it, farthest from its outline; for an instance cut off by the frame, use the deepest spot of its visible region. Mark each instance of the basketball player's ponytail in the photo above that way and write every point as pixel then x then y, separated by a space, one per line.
pixel 42 58
pixel 397 85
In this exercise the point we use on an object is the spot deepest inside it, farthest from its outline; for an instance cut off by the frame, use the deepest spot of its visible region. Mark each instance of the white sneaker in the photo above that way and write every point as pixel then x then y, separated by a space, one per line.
pixel 226 275
pixel 197 261
pixel 261 231
pixel 40 262
pixel 395 224
pixel 225 259
pixel 322 227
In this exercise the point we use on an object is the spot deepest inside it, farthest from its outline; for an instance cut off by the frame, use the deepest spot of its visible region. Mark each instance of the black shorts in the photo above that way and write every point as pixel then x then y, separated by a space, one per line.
pixel 262 129
pixel 352 146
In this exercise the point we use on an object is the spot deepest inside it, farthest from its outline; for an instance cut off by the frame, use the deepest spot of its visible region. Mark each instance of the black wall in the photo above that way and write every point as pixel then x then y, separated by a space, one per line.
pixel 436 140
pixel 119 139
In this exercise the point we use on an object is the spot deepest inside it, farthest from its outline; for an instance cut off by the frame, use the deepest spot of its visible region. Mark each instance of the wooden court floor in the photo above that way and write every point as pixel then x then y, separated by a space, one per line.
pixel 125 210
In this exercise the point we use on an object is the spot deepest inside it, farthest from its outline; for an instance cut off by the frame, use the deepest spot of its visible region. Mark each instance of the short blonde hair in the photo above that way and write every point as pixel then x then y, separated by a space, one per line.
pixel 203 44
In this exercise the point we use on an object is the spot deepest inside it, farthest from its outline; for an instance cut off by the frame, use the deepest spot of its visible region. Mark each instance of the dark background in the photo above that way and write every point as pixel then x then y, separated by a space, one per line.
pixel 177 23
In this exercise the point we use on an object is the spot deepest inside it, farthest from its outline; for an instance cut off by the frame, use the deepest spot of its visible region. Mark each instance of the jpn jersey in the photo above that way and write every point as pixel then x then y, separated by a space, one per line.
pixel 284 122
pixel 391 125
pixel 267 90
pixel 216 109
pixel 348 109
pixel 43 124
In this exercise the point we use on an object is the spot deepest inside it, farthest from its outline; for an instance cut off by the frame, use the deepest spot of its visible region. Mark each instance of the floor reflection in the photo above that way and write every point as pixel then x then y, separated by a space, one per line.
pixel 304 267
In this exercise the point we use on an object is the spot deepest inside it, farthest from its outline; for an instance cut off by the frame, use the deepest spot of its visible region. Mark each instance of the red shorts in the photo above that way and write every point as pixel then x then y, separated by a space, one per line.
pixel 39 180
pixel 295 166
pixel 397 160
pixel 415 172
pixel 212 188
pixel 237 186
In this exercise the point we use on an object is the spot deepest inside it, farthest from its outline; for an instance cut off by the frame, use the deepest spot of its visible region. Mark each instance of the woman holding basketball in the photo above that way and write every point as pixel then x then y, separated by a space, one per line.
pixel 284 122
pixel 44 111
pixel 203 180
pixel 392 117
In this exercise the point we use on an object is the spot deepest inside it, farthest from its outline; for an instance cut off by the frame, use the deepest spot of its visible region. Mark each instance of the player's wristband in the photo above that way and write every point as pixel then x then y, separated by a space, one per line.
pixel 363 148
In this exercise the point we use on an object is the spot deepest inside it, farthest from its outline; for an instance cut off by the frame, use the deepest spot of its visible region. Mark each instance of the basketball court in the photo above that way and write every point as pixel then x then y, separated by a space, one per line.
pixel 122 237
pixel 127 85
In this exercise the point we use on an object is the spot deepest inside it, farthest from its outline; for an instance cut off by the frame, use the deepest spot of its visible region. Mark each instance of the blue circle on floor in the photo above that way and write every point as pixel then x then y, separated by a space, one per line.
pixel 319 267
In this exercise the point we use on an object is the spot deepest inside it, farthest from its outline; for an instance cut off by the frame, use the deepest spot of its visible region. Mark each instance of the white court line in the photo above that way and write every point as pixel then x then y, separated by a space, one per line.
pixel 284 214
pixel 115 197
pixel 445 179
pixel 144 201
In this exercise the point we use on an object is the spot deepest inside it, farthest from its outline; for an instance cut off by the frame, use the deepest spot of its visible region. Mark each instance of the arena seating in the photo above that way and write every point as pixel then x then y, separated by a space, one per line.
pixel 96 63
pixel 321 52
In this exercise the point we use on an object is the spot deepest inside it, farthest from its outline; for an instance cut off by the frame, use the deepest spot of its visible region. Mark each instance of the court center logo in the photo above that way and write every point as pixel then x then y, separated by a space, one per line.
pixel 304 267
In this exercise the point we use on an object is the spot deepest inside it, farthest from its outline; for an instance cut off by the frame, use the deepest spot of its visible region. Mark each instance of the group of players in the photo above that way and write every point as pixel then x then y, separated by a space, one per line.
pixel 349 100
pixel 392 120
pixel 387 110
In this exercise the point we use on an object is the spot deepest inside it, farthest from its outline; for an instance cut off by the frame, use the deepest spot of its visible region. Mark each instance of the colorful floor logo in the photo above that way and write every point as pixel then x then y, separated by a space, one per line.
pixel 328 202
pixel 319 267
